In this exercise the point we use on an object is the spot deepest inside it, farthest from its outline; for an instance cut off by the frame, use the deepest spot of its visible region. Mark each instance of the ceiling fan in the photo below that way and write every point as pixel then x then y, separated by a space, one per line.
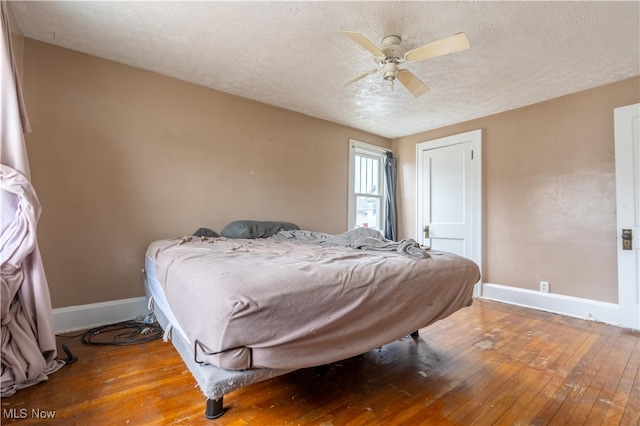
pixel 392 53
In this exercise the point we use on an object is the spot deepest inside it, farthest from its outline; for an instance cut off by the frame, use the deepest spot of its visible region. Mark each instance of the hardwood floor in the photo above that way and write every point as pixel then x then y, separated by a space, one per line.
pixel 488 364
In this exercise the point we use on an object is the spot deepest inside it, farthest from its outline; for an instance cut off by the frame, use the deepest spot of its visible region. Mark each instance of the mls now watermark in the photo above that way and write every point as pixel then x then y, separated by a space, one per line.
pixel 23 413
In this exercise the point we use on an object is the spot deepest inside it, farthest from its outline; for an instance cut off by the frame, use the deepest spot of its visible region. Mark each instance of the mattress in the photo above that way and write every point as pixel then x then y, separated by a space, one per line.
pixel 280 304
pixel 156 296
pixel 213 381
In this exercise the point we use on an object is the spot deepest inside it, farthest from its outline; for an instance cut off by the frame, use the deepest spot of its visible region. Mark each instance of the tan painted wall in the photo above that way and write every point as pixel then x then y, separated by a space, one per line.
pixel 121 157
pixel 548 192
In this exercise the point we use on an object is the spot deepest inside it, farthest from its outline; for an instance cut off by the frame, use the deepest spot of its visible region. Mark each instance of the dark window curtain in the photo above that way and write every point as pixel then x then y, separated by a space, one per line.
pixel 390 173
pixel 28 339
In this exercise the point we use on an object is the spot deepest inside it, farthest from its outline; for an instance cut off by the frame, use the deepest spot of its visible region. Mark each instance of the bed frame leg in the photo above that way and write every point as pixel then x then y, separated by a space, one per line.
pixel 214 408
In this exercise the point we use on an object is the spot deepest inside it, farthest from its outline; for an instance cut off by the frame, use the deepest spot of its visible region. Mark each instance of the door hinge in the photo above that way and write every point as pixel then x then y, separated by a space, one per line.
pixel 472 154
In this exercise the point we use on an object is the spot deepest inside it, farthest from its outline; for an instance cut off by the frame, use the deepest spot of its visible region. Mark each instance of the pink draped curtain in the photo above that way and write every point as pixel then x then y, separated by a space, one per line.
pixel 27 332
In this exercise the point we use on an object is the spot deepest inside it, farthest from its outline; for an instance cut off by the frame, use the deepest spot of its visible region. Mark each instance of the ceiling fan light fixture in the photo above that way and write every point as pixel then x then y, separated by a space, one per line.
pixel 390 85
pixel 390 70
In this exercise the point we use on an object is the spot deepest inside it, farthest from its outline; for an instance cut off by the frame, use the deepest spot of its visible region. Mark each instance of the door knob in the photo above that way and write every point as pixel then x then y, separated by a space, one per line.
pixel 426 231
pixel 627 238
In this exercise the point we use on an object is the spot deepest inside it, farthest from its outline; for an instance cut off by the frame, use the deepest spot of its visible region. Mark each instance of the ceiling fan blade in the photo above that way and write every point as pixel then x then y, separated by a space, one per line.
pixel 412 83
pixel 360 77
pixel 454 43
pixel 364 42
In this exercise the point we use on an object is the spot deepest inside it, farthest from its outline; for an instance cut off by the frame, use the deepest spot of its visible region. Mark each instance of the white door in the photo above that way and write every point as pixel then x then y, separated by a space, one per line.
pixel 449 194
pixel 627 129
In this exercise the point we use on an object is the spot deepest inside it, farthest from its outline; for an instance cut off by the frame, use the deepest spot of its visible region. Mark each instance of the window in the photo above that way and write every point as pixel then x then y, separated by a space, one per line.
pixel 366 186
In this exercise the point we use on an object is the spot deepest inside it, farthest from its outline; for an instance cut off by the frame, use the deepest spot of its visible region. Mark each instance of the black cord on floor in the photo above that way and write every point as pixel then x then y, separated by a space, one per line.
pixel 70 357
pixel 133 332
pixel 122 334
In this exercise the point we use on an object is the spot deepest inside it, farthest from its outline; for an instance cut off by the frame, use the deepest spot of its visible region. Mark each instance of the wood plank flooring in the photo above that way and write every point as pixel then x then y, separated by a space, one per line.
pixel 490 364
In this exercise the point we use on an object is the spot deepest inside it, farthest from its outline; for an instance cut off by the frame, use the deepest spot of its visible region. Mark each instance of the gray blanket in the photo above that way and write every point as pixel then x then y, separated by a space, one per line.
pixel 359 238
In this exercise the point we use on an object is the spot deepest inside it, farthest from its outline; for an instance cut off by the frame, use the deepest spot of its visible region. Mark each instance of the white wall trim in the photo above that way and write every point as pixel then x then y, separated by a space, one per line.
pixel 72 318
pixel 566 305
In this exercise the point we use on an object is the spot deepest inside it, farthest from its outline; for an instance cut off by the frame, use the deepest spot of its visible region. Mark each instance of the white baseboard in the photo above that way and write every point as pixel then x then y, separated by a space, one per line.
pixel 566 305
pixel 72 318
pixel 477 289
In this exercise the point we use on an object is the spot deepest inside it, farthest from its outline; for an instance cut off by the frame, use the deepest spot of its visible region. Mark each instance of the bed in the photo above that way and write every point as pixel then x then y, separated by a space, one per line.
pixel 249 306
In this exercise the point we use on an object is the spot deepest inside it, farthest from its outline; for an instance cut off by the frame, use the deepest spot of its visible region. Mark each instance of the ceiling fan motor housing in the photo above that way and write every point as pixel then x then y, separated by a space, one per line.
pixel 392 48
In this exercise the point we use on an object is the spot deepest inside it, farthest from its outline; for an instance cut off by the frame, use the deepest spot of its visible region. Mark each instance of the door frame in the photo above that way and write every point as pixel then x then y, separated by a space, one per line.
pixel 475 137
pixel 626 206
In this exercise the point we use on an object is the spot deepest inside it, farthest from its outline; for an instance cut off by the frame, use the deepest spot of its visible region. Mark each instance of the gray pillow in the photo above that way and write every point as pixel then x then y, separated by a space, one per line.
pixel 205 232
pixel 255 228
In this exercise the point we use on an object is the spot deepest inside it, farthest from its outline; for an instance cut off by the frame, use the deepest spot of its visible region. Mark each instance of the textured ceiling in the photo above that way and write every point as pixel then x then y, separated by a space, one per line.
pixel 293 54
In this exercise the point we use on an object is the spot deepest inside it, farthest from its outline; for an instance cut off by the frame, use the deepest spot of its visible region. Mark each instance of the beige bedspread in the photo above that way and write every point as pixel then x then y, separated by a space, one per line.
pixel 281 304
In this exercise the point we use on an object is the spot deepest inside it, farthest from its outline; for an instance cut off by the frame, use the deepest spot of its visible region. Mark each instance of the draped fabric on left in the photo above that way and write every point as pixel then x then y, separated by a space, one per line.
pixel 27 332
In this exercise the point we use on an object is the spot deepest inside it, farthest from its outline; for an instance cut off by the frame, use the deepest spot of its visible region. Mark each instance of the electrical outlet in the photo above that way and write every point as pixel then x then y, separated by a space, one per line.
pixel 544 286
